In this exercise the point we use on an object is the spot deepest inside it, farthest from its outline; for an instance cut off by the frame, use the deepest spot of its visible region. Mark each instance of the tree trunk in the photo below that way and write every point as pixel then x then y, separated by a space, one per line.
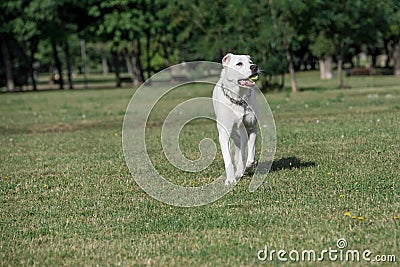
pixel 285 47
pixel 58 65
pixel 84 63
pixel 325 68
pixel 340 65
pixel 148 56
pixel 292 72
pixel 374 59
pixel 33 48
pixel 388 50
pixel 139 66
pixel 396 58
pixel 7 64
pixel 322 69
pixel 282 80
pixel 129 65
pixel 339 72
pixel 151 8
pixel 104 64
pixel 68 61
pixel 166 54
pixel 137 75
pixel 51 76
pixel 32 72
pixel 116 68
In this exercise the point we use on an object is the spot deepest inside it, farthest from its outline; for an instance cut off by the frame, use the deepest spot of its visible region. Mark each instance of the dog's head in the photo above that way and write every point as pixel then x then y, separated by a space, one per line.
pixel 240 69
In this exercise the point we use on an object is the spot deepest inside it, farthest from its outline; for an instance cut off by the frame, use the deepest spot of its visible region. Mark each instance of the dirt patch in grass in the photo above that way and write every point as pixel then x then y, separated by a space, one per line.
pixel 71 127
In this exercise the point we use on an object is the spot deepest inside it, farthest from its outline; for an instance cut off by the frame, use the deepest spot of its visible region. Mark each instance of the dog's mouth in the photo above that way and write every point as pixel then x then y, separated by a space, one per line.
pixel 249 82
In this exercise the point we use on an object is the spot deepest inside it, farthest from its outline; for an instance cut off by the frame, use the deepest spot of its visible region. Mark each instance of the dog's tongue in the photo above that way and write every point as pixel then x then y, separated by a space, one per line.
pixel 246 83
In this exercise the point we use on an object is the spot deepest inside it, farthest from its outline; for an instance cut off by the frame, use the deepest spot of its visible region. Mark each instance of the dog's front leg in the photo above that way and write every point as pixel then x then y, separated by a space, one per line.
pixel 224 139
pixel 240 140
pixel 251 146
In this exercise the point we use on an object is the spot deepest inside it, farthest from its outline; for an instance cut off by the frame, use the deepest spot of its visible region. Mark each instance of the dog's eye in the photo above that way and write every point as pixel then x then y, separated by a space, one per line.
pixel 239 64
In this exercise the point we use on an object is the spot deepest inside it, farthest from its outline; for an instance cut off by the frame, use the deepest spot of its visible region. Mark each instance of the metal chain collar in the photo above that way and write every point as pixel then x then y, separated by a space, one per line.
pixel 240 102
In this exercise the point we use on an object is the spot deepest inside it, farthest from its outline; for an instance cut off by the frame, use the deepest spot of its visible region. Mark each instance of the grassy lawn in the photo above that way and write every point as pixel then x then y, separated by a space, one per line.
pixel 67 197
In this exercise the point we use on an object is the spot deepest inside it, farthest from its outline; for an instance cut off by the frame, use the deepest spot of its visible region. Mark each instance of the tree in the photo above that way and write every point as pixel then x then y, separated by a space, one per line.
pixel 118 24
pixel 42 16
pixel 233 26
pixel 323 49
pixel 9 11
pixel 334 22
pixel 346 25
pixel 284 14
pixel 7 62
pixel 147 35
pixel 391 33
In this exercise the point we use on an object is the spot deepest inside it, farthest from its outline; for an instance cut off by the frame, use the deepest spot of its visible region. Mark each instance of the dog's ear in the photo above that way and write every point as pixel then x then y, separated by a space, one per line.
pixel 226 59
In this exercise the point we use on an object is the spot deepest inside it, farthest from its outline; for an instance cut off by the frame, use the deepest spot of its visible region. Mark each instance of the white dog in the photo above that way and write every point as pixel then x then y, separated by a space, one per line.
pixel 235 107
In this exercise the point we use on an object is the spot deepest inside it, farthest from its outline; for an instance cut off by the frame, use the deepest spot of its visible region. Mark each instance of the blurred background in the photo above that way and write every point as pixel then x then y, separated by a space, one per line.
pixel 66 44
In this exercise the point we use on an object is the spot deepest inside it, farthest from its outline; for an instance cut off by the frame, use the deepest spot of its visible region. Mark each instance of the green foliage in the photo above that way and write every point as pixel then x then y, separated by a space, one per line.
pixel 348 23
pixel 159 33
pixel 322 47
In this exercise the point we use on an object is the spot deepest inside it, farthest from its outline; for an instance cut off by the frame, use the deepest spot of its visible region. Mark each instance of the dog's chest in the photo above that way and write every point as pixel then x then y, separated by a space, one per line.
pixel 249 118
pixel 244 116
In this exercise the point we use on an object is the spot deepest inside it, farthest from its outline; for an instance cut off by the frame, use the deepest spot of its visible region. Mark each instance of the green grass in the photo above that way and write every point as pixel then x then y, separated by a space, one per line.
pixel 67 197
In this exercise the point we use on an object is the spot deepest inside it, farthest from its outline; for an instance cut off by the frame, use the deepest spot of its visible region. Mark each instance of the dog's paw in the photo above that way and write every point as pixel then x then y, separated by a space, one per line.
pixel 239 174
pixel 250 170
pixel 230 181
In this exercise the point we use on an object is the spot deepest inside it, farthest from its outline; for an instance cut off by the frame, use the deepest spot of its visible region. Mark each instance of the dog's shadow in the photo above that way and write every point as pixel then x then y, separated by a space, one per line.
pixel 283 164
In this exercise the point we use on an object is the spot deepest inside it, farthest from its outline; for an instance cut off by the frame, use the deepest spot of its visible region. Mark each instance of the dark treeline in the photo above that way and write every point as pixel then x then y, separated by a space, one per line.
pixel 63 37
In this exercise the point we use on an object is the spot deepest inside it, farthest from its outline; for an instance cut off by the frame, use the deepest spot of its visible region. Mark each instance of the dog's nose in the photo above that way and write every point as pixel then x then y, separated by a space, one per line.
pixel 254 68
